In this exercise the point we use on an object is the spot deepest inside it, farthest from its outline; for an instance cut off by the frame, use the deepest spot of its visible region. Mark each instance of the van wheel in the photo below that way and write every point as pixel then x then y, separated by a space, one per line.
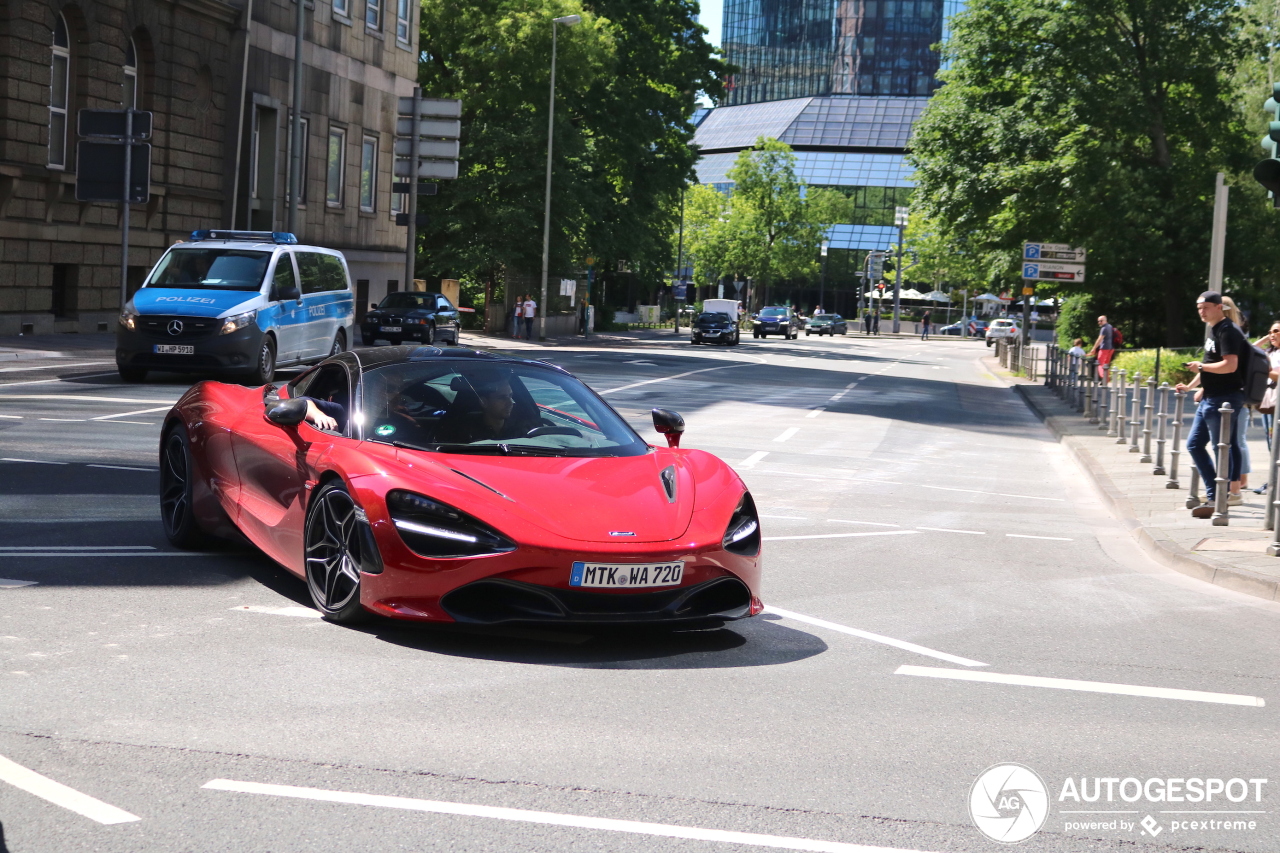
pixel 264 369
pixel 339 343
pixel 132 374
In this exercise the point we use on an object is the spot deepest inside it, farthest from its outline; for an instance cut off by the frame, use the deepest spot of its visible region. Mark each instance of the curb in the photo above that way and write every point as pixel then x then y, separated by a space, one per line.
pixel 1166 553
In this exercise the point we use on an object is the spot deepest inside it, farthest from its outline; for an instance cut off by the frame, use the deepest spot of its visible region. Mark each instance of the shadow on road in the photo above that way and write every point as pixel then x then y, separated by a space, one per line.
pixel 4 848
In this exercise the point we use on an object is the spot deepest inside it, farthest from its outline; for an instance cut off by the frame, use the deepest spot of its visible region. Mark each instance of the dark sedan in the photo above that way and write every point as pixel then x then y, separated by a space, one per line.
pixel 425 317
pixel 776 320
pixel 826 324
pixel 977 328
pixel 714 327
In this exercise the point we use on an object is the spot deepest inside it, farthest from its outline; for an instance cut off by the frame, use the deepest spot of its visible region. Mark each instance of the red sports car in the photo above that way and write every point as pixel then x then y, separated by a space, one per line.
pixel 462 486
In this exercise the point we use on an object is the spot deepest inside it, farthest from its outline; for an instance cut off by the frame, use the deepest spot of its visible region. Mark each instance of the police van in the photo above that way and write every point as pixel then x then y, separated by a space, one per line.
pixel 240 302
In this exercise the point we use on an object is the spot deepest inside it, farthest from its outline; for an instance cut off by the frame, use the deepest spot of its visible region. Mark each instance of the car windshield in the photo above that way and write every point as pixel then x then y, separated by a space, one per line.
pixel 716 316
pixel 211 269
pixel 825 317
pixel 407 301
pixel 774 312
pixel 509 409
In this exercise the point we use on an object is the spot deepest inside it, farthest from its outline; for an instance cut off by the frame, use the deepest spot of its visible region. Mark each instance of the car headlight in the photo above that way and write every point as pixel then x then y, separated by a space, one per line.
pixel 129 318
pixel 434 529
pixel 239 321
pixel 742 536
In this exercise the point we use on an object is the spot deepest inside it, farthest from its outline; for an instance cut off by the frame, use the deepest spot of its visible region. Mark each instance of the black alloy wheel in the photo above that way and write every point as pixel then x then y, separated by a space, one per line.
pixel 264 369
pixel 177 514
pixel 333 549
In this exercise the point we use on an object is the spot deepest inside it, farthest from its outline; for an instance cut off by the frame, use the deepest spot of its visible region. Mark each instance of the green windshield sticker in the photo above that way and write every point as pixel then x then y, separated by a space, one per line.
pixel 385 429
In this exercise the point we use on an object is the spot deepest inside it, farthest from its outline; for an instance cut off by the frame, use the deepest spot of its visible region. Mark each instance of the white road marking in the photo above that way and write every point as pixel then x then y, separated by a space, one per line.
pixel 677 376
pixel 842 535
pixel 1001 494
pixel 787 433
pixel 662 830
pixel 121 467
pixel 33 461
pixel 878 638
pixel 127 414
pixel 816 412
pixel 135 423
pixel 872 523
pixel 66 379
pixel 1050 538
pixel 60 795
pixel 53 366
pixel 750 461
pixel 79 398
pixel 10 584
pixel 1085 686
pixel 953 530
pixel 5 548
pixel 103 553
pixel 12 417
pixel 305 612
pixel 649 363
pixel 786 517
pixel 852 385
pixel 65 420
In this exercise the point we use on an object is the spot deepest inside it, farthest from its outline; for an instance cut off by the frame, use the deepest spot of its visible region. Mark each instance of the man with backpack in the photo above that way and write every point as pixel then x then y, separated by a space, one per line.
pixel 1223 374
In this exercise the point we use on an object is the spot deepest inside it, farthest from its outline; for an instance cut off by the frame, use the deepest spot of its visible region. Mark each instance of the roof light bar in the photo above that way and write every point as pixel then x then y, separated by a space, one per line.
pixel 281 237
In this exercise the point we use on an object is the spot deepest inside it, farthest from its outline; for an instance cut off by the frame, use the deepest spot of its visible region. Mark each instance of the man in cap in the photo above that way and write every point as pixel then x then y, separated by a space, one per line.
pixel 1222 376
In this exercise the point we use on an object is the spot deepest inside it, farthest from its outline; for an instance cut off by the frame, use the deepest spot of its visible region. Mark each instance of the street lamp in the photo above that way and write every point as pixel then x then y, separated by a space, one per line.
pixel 822 281
pixel 568 21
pixel 899 220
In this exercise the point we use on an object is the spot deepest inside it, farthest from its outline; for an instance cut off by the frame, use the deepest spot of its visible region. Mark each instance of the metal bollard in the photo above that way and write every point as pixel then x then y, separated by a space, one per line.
pixel 1088 394
pixel 1091 404
pixel 1193 496
pixel 1175 451
pixel 1135 422
pixel 1222 481
pixel 1104 415
pixel 1147 412
pixel 1162 417
pixel 1120 409
pixel 1117 402
pixel 1077 384
pixel 1272 493
pixel 1274 548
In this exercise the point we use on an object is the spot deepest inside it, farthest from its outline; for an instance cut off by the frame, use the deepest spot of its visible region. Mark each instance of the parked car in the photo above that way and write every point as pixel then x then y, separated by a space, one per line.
pixel 826 324
pixel 956 329
pixel 1001 328
pixel 239 302
pixel 714 327
pixel 411 316
pixel 776 320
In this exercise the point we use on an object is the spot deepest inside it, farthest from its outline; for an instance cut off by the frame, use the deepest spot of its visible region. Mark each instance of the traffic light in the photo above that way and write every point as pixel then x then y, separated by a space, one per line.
pixel 1267 172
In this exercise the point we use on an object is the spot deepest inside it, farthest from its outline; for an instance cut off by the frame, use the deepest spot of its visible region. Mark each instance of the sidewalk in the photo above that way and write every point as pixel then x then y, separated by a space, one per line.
pixel 1233 557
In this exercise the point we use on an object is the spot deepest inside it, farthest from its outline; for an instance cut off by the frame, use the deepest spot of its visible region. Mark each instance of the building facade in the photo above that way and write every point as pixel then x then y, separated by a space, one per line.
pixel 217 78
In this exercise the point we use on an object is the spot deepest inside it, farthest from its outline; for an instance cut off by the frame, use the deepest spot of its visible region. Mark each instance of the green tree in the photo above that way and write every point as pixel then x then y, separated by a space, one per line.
pixel 942 259
pixel 1094 122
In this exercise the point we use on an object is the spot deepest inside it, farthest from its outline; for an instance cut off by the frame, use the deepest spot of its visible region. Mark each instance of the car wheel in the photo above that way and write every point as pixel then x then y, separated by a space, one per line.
pixel 806 333
pixel 429 336
pixel 264 370
pixel 989 341
pixel 755 335
pixel 366 340
pixel 132 374
pixel 339 343
pixel 395 342
pixel 333 546
pixel 177 512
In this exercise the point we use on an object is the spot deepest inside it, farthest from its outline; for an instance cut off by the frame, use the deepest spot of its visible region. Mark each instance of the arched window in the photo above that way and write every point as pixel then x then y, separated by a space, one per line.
pixel 59 92
pixel 131 94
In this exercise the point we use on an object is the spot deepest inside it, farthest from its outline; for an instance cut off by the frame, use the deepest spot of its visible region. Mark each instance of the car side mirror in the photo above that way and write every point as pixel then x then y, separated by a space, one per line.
pixel 670 424
pixel 289 412
pixel 286 292
pixel 373 306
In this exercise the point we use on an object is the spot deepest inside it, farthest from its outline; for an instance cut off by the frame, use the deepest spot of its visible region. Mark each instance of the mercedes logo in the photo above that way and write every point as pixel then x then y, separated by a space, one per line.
pixel 175 327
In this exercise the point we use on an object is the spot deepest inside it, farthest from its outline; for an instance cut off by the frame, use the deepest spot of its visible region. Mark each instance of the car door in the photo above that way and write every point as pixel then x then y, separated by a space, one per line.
pixel 277 467
pixel 326 298
pixel 286 315
pixel 447 319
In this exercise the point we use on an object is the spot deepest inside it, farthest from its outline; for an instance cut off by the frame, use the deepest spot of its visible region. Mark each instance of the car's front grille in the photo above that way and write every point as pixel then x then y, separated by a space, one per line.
pixel 163 328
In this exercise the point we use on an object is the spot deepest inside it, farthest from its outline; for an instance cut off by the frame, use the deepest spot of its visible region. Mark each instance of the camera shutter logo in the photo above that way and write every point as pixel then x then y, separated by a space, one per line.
pixel 1008 803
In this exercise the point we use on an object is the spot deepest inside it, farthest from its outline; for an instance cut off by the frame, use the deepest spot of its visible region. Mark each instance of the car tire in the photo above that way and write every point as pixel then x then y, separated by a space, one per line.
pixel 755 335
pixel 989 342
pixel 332 543
pixel 339 343
pixel 693 341
pixel 806 333
pixel 264 369
pixel 367 340
pixel 177 504
pixel 429 336
pixel 132 375
pixel 395 342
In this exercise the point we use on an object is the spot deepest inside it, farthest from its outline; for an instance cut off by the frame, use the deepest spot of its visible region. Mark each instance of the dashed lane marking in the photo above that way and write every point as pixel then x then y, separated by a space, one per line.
pixel 122 467
pixel 1027 536
pixel 877 638
pixel 953 530
pixel 750 461
pixel 60 795
pixel 62 379
pixel 127 414
pixel 53 366
pixel 1001 494
pixel 841 535
pixel 787 433
pixel 33 461
pixel 816 412
pixel 81 398
pixel 786 517
pixel 5 583
pixel 676 376
pixel 20 548
pixel 872 523
pixel 662 830
pixel 305 612
pixel 1085 686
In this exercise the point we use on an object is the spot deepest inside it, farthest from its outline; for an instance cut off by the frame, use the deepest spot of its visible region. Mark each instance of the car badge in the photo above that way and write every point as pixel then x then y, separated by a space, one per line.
pixel 175 327
pixel 621 533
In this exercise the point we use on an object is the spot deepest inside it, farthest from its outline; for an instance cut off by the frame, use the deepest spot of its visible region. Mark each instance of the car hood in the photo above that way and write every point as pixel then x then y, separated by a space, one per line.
pixel 584 499
pixel 194 303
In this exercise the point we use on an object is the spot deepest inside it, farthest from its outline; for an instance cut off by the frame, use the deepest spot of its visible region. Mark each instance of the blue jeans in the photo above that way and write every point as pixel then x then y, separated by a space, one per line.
pixel 1204 436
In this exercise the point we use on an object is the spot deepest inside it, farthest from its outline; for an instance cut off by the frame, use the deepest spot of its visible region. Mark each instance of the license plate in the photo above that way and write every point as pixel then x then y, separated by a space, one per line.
pixel 629 576
pixel 173 349
pixel 389 328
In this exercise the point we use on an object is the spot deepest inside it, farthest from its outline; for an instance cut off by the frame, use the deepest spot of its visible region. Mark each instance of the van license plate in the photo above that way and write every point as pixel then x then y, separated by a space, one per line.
pixel 389 328
pixel 173 349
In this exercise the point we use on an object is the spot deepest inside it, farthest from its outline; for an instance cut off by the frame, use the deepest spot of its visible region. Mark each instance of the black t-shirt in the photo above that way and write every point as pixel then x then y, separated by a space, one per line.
pixel 1225 339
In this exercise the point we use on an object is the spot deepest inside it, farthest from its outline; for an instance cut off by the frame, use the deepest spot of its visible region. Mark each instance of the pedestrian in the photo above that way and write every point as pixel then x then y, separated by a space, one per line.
pixel 924 322
pixel 1271 343
pixel 1104 348
pixel 530 308
pixel 1077 354
pixel 875 323
pixel 866 323
pixel 1221 374
pixel 516 315
pixel 1243 420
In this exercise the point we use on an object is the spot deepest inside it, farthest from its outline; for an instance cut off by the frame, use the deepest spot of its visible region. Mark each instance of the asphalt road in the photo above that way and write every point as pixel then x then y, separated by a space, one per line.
pixel 922 530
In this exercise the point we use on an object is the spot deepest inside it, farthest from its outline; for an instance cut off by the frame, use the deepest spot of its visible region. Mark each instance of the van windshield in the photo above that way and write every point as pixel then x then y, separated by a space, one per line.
pixel 211 269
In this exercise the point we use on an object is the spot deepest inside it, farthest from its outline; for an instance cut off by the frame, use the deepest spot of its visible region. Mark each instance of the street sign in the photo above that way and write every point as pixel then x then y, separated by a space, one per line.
pixel 110 124
pixel 443 149
pixel 431 107
pixel 1053 272
pixel 100 172
pixel 1053 252
pixel 679 289
pixel 441 170
pixel 877 264
pixel 442 128
pixel 1028 291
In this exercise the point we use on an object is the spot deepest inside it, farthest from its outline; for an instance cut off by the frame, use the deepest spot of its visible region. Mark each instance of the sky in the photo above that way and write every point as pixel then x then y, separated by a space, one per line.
pixel 711 18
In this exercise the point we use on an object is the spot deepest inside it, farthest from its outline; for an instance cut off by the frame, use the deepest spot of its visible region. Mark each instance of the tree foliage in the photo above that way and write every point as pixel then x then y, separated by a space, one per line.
pixel 1098 123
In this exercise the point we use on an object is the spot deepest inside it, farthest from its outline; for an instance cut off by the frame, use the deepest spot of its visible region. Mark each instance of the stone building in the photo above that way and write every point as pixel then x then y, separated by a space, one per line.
pixel 217 76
